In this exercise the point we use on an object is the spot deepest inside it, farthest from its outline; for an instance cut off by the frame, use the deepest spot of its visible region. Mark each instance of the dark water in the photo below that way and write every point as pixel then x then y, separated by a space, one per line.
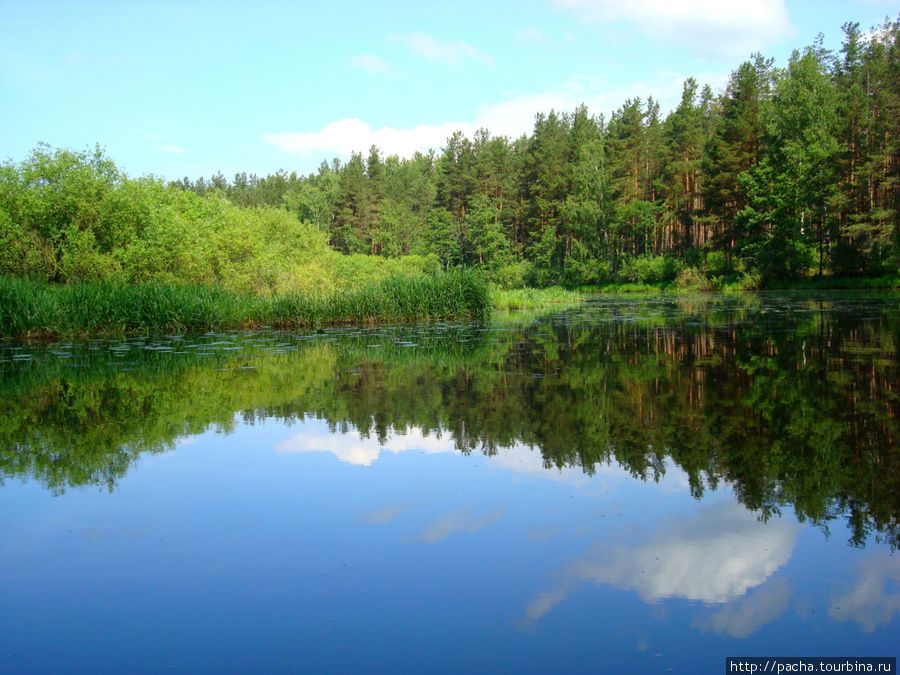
pixel 628 486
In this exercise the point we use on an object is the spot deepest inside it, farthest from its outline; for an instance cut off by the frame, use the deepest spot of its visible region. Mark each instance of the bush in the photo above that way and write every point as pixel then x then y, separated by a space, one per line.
pixel 649 269
pixel 716 264
pixel 24 253
pixel 513 275
pixel 693 279
pixel 749 281
pixel 585 272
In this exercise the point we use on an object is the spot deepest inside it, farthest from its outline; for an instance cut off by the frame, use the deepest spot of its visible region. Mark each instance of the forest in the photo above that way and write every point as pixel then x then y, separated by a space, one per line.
pixel 789 173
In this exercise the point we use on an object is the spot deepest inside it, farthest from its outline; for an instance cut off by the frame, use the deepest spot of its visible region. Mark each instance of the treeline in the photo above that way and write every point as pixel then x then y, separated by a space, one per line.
pixel 72 216
pixel 789 172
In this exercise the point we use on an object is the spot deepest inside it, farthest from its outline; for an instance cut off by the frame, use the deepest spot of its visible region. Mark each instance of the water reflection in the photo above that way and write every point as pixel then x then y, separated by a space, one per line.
pixel 385 515
pixel 457 522
pixel 352 448
pixel 874 594
pixel 640 485
pixel 792 399
pixel 743 617
pixel 714 557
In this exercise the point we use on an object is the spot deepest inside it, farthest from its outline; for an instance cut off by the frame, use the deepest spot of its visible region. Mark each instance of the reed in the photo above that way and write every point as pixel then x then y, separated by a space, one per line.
pixel 450 295
pixel 530 298
pixel 886 282
pixel 30 309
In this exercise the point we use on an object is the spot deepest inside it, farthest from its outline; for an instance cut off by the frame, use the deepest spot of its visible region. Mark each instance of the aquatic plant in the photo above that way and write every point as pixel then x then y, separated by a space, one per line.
pixel 529 298
pixel 40 309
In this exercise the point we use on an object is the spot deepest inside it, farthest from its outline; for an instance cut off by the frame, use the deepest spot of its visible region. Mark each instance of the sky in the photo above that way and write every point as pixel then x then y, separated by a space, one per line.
pixel 190 88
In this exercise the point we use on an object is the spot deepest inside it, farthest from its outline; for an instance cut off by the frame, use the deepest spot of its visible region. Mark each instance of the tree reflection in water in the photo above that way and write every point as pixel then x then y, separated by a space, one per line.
pixel 792 399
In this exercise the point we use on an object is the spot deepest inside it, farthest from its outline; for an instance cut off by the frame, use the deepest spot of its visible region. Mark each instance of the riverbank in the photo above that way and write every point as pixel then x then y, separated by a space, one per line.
pixel 38 310
pixel 533 298
pixel 695 284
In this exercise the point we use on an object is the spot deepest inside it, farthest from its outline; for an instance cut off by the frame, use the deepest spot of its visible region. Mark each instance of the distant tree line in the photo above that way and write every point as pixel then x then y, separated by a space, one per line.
pixel 789 172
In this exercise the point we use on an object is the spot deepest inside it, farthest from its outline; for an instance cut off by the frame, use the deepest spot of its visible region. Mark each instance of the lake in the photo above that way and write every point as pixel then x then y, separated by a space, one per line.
pixel 629 485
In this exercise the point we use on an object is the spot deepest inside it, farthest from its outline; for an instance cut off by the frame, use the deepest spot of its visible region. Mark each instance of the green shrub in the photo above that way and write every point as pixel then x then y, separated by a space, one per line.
pixel 650 269
pixel 693 279
pixel 23 253
pixel 716 264
pixel 512 275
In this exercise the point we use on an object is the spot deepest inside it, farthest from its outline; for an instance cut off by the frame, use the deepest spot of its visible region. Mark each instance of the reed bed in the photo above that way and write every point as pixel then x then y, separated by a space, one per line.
pixel 886 282
pixel 530 298
pixel 30 309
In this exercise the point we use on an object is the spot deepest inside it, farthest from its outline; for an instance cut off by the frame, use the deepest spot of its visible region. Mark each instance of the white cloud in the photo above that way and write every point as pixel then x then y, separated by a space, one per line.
pixel 512 117
pixel 711 27
pixel 353 135
pixel 450 53
pixel 371 63
pixel 352 448
pixel 715 558
pixel 171 148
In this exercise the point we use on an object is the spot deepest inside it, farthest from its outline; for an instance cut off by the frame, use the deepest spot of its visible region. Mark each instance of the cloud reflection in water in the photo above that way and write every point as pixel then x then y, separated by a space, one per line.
pixel 353 448
pixel 869 601
pixel 715 558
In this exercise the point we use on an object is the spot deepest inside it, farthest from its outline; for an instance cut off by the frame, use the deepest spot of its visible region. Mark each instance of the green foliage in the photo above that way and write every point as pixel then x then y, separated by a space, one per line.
pixel 648 269
pixel 692 279
pixel 716 263
pixel 72 217
pixel 512 275
pixel 790 171
pixel 37 309
pixel 530 298
pixel 357 270
pixel 23 253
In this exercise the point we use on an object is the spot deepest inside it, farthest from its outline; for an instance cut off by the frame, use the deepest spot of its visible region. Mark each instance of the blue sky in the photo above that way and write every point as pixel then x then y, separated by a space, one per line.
pixel 189 88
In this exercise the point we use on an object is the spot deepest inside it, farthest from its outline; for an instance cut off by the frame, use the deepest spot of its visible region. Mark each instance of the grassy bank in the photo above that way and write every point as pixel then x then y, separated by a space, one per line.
pixel 889 282
pixel 691 283
pixel 31 309
pixel 631 287
pixel 531 298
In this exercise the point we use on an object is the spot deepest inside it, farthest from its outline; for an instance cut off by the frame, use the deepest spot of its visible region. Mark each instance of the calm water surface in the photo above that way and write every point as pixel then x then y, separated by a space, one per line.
pixel 626 486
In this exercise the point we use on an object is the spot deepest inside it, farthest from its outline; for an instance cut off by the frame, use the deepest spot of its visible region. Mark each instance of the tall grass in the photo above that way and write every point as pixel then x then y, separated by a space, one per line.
pixel 836 283
pixel 634 287
pixel 530 298
pixel 449 295
pixel 38 309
